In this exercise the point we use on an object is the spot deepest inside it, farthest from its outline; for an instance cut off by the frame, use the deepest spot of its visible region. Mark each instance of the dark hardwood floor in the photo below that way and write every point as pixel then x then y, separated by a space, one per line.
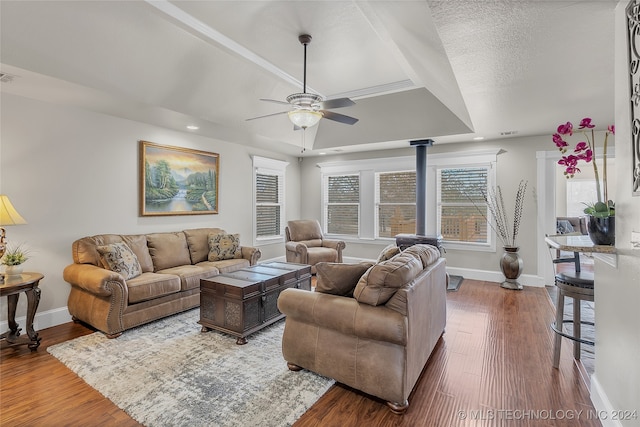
pixel 492 367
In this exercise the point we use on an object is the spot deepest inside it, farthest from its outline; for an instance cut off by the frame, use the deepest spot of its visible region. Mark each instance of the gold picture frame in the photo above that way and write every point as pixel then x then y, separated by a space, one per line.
pixel 177 181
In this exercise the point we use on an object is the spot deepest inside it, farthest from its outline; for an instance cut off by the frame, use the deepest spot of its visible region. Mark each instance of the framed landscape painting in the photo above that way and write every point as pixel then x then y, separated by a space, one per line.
pixel 177 181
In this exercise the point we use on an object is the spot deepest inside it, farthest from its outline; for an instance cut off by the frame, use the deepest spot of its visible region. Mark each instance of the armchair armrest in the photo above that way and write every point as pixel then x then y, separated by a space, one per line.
pixel 296 247
pixel 338 245
pixel 251 253
pixel 344 314
pixel 95 280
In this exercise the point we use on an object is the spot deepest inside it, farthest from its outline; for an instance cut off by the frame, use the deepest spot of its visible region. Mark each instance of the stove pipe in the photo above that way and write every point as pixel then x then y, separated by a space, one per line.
pixel 421 183
pixel 403 241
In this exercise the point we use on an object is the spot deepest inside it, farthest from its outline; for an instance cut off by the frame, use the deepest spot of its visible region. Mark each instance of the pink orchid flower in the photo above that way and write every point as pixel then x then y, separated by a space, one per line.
pixel 586 123
pixel 560 143
pixel 580 146
pixel 611 129
pixel 587 156
pixel 565 129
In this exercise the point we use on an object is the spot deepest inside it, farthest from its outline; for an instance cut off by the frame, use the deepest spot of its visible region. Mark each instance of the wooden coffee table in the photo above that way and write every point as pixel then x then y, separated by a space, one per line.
pixel 245 301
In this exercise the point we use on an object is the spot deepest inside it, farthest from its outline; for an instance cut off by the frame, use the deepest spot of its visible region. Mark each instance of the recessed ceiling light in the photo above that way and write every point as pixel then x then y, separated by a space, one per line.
pixel 322 154
pixel 192 127
pixel 478 138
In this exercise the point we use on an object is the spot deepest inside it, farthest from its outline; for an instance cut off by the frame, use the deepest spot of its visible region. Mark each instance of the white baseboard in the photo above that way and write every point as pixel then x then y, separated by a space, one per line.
pixel 604 409
pixel 494 276
pixel 46 319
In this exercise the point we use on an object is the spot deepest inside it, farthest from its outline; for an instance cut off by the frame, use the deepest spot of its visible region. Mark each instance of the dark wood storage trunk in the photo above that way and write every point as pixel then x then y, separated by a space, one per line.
pixel 245 301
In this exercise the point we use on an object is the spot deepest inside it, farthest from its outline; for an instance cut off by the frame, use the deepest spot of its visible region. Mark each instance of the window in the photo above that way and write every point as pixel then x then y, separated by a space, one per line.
pixel 342 204
pixel 395 203
pixel 269 198
pixel 373 200
pixel 460 199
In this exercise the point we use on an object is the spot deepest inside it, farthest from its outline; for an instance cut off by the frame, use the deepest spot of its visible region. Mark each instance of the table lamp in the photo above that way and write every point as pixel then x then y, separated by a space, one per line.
pixel 8 216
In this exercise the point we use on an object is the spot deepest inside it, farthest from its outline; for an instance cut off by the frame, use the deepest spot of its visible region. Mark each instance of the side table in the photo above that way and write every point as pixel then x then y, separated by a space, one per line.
pixel 11 288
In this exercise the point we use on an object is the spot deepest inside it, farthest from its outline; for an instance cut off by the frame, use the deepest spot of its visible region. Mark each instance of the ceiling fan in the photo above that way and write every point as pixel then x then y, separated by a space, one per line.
pixel 309 108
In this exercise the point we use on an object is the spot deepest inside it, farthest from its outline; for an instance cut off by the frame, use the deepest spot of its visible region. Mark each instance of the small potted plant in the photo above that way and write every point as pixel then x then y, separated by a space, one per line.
pixel 13 259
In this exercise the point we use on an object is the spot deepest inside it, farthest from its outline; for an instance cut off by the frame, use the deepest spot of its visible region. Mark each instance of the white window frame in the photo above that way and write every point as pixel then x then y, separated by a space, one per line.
pixel 378 203
pixel 266 166
pixel 325 205
pixel 490 244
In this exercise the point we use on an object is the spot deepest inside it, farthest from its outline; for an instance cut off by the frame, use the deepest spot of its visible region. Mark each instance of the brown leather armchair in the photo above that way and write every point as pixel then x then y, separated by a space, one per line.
pixel 305 244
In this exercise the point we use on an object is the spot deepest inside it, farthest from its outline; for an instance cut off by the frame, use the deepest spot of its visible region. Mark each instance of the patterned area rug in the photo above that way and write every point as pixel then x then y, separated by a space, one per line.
pixel 168 373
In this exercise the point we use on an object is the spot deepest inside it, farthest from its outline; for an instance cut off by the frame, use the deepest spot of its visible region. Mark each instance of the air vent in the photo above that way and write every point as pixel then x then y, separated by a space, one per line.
pixel 6 78
pixel 509 133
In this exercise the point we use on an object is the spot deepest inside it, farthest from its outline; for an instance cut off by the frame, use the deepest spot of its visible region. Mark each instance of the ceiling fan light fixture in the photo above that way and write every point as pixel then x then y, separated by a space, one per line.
pixel 304 118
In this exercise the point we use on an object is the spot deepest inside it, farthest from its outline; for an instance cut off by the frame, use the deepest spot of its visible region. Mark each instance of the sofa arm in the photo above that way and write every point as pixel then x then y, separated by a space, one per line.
pixel 251 253
pixel 93 279
pixel 344 314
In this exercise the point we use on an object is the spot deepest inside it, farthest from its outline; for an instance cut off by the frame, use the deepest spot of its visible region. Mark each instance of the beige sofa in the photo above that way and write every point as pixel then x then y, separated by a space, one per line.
pixel 379 340
pixel 160 274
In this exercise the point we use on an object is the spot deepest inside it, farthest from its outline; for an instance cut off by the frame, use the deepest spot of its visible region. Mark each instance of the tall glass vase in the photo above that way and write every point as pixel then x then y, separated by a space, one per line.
pixel 511 265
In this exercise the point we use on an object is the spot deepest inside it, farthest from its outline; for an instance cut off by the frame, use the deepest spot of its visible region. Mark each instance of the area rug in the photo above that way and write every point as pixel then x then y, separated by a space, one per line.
pixel 168 373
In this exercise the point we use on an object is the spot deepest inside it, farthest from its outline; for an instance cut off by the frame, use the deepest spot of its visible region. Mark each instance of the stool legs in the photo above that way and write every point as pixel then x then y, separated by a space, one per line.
pixel 558 325
pixel 576 328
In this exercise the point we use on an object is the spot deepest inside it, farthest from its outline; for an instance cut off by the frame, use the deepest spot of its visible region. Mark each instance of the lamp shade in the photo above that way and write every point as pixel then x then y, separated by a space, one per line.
pixel 304 118
pixel 8 214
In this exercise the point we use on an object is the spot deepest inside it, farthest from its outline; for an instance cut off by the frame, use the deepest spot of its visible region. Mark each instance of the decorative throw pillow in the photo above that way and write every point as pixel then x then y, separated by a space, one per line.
pixel 339 279
pixel 224 246
pixel 381 281
pixel 388 253
pixel 118 257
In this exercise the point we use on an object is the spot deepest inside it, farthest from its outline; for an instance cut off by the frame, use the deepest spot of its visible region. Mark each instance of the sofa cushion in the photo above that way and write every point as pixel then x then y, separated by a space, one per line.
pixel 226 265
pixel 382 280
pixel 224 246
pixel 190 275
pixel 338 278
pixel 118 257
pixel 388 252
pixel 198 241
pixel 149 286
pixel 428 254
pixel 138 244
pixel 168 250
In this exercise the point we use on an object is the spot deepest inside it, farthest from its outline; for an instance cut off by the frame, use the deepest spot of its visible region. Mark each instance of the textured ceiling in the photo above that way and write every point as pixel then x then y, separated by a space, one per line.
pixel 448 70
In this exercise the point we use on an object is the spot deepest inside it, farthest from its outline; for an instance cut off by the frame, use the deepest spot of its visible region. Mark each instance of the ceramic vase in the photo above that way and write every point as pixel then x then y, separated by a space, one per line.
pixel 13 270
pixel 602 231
pixel 511 265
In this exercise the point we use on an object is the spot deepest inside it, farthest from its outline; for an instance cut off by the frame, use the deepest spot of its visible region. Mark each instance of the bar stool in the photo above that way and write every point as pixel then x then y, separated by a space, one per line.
pixel 578 285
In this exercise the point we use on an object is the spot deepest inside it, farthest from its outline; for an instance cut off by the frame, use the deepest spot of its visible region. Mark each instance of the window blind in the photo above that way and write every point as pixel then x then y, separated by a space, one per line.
pixel 462 209
pixel 396 203
pixel 342 194
pixel 268 204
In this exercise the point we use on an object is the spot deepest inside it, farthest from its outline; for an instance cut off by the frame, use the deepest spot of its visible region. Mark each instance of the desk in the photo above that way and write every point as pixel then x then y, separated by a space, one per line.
pixel 11 288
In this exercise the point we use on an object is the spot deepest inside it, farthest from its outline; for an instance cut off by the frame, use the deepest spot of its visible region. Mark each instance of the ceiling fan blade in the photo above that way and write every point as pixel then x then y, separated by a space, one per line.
pixel 267 115
pixel 274 100
pixel 337 103
pixel 339 117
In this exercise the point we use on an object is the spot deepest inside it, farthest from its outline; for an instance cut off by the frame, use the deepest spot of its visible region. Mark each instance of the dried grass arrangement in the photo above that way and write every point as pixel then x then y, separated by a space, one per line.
pixel 506 232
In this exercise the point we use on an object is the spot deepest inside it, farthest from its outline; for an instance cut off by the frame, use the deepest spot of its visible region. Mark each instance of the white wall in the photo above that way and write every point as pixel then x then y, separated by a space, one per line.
pixel 616 383
pixel 516 161
pixel 73 173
